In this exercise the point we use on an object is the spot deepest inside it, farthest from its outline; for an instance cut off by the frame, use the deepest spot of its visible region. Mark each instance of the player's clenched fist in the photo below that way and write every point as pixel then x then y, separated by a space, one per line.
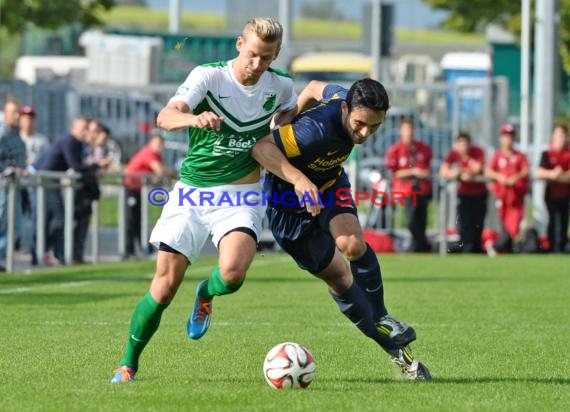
pixel 208 120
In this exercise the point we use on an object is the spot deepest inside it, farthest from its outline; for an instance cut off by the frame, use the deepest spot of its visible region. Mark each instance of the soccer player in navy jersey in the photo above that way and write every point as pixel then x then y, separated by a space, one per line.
pixel 319 231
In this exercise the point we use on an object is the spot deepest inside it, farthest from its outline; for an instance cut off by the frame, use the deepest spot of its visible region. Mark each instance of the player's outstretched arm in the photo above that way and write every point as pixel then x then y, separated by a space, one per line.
pixel 268 155
pixel 175 116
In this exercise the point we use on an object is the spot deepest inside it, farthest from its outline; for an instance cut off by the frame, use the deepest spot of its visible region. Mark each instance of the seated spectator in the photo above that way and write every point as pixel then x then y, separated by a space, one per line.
pixel 555 169
pixel 465 163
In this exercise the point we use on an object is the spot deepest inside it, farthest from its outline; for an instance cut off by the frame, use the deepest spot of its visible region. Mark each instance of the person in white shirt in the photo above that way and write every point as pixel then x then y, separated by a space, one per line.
pixel 36 143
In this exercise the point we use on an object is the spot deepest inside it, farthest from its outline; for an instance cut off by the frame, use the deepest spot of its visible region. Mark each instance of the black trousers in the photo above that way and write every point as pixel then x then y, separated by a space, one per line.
pixel 471 211
pixel 416 217
pixel 558 210
pixel 133 215
pixel 83 211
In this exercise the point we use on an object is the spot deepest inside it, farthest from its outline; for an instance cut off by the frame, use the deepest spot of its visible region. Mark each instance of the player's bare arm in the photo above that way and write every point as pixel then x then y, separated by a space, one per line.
pixel 175 116
pixel 282 118
pixel 268 155
pixel 311 94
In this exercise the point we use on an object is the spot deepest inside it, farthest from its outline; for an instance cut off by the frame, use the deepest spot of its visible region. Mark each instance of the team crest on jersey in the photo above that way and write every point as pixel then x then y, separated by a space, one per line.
pixel 269 101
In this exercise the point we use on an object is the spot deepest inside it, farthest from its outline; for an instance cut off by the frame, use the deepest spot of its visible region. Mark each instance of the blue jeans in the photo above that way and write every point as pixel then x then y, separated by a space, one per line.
pixel 18 220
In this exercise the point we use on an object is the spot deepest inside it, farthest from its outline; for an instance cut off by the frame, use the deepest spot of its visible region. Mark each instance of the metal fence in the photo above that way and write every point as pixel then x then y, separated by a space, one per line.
pixel 69 184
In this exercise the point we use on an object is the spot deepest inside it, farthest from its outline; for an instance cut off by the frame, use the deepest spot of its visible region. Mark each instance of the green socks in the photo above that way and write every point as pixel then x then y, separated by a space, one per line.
pixel 216 286
pixel 144 323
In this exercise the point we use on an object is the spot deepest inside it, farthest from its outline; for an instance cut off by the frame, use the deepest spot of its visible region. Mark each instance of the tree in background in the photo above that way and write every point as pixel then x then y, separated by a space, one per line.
pixel 471 16
pixel 466 16
pixel 51 14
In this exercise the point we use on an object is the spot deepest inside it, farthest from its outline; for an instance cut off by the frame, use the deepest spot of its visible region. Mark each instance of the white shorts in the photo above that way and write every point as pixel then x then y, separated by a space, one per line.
pixel 192 214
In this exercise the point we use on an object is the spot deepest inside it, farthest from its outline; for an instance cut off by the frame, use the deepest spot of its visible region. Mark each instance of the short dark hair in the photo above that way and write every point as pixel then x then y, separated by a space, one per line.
pixel 404 119
pixel 464 135
pixel 368 93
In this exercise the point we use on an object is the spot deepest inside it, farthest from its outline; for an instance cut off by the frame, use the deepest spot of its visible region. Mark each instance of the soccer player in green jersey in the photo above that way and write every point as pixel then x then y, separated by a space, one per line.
pixel 226 106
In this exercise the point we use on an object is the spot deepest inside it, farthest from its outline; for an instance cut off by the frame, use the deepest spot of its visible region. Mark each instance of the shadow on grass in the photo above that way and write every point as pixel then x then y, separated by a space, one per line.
pixel 457 380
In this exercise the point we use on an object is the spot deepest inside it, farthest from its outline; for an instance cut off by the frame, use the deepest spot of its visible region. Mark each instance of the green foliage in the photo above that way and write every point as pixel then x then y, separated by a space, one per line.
pixel 491 331
pixel 565 34
pixel 51 14
pixel 469 16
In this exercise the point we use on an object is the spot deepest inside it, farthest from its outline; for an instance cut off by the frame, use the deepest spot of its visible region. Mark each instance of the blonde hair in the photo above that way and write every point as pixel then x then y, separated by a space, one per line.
pixel 266 28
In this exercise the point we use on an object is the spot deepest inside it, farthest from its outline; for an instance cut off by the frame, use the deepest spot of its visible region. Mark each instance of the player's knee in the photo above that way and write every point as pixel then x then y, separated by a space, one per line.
pixel 164 285
pixel 163 291
pixel 233 277
pixel 352 247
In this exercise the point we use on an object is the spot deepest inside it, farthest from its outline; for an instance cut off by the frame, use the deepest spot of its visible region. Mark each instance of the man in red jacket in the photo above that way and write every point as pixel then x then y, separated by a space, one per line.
pixel 465 163
pixel 409 160
pixel 148 160
pixel 508 169
pixel 555 169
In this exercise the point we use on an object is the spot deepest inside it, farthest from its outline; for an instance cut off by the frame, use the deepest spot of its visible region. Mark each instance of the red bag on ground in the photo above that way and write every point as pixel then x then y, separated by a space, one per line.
pixel 380 242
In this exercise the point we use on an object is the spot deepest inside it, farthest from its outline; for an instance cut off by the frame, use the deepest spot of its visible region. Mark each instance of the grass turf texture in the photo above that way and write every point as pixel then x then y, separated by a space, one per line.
pixel 492 331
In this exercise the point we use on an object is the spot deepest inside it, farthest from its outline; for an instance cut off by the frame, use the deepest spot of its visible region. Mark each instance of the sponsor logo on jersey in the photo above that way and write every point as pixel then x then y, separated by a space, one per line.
pixel 232 145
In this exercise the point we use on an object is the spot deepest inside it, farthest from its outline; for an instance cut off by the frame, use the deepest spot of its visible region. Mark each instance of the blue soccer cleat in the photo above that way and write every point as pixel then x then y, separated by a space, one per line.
pixel 201 314
pixel 123 374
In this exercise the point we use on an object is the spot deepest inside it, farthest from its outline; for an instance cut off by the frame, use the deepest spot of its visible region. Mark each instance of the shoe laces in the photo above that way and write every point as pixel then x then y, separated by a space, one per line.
pixel 204 309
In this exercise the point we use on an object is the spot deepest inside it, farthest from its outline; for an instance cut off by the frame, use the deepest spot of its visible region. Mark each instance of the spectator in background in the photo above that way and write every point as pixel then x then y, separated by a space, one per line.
pixel 100 146
pixel 103 147
pixel 464 163
pixel 409 160
pixel 12 162
pixel 93 160
pixel 147 160
pixel 508 169
pixel 555 169
pixel 65 155
pixel 36 145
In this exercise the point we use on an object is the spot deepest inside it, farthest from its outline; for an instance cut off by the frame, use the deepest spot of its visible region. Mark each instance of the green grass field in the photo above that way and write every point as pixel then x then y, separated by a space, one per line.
pixel 493 332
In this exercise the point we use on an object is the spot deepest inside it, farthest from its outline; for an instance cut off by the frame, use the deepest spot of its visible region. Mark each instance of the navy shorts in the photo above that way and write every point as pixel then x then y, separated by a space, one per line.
pixel 306 238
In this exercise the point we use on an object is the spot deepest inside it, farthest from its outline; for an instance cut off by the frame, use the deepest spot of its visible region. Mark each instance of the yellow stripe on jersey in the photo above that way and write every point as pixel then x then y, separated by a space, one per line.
pixel 329 183
pixel 289 141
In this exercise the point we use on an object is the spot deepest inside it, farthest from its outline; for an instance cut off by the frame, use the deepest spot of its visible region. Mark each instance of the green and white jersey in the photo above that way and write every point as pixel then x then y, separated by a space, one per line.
pixel 220 157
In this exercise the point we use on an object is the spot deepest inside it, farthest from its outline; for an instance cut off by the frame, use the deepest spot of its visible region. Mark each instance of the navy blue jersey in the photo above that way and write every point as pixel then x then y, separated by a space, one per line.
pixel 316 142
